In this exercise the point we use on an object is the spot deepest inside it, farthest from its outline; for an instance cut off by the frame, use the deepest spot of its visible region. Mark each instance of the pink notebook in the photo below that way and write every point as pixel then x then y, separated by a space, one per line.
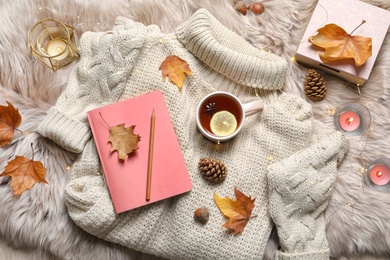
pixel 127 180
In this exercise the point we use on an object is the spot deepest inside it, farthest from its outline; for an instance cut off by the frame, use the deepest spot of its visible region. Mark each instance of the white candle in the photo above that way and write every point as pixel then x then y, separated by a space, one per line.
pixel 56 47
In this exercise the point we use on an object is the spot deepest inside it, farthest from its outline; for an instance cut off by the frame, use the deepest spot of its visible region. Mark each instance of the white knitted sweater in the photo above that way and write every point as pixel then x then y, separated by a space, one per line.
pixel 124 63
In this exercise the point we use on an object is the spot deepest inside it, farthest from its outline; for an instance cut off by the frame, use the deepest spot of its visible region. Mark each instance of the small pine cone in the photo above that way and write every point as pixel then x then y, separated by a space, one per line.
pixel 315 85
pixel 212 169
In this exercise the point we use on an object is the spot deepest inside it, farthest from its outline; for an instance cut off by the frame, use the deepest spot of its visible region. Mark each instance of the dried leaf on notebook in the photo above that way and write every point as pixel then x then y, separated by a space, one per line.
pixel 10 119
pixel 239 212
pixel 123 140
pixel 340 45
pixel 176 69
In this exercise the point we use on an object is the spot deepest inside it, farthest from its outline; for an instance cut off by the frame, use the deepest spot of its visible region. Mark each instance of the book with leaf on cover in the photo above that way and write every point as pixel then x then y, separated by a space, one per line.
pixel 127 179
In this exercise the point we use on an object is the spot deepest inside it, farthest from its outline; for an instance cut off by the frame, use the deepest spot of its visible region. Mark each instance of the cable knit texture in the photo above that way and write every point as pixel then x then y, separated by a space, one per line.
pixel 124 63
pixel 299 190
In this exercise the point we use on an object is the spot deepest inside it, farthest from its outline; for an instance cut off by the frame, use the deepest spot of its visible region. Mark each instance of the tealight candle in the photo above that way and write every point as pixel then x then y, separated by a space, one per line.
pixel 380 174
pixel 349 121
pixel 377 175
pixel 56 47
pixel 353 119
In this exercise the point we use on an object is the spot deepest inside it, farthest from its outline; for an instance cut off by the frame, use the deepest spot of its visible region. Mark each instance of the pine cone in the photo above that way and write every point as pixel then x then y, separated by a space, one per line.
pixel 212 169
pixel 315 85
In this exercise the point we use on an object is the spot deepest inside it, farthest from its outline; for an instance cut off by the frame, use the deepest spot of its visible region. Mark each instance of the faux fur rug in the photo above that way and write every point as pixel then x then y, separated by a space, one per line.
pixel 357 216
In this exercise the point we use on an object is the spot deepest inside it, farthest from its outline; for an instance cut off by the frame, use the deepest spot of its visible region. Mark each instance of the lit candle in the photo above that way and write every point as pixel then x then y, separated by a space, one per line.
pixel 380 174
pixel 53 43
pixel 349 121
pixel 56 47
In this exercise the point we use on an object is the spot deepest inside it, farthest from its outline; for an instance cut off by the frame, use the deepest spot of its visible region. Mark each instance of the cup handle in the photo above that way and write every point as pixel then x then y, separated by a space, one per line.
pixel 253 107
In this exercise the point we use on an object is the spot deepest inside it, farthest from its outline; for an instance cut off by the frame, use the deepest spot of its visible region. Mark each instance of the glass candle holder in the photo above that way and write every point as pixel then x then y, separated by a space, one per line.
pixel 377 175
pixel 353 119
pixel 53 43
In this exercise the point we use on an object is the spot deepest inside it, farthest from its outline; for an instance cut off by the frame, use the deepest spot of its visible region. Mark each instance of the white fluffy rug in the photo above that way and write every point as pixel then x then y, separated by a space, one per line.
pixel 357 217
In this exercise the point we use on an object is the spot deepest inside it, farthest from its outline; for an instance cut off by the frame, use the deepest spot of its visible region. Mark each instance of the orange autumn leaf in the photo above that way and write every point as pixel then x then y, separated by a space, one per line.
pixel 10 119
pixel 176 69
pixel 340 45
pixel 238 212
pixel 123 140
pixel 24 173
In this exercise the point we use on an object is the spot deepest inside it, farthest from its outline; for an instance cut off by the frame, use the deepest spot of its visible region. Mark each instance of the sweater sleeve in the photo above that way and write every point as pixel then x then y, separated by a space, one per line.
pixel 106 61
pixel 299 191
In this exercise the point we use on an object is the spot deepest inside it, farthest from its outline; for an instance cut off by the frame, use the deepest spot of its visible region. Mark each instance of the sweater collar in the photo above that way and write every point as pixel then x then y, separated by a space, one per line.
pixel 229 54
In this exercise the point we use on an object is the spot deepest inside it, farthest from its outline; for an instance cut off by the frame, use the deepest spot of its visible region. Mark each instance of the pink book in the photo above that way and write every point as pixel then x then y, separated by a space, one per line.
pixel 127 179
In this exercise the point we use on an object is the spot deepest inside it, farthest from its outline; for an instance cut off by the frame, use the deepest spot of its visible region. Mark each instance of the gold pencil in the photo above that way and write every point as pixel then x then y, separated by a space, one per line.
pixel 150 159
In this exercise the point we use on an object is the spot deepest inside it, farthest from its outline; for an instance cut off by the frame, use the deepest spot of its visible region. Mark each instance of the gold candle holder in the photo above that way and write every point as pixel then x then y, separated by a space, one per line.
pixel 53 43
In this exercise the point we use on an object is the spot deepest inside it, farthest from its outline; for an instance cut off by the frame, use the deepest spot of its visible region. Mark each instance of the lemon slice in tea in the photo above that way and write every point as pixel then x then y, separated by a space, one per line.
pixel 223 123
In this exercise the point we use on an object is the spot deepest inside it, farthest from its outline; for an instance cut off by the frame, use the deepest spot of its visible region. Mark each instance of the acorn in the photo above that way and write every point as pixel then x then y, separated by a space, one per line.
pixel 240 6
pixel 202 215
pixel 256 8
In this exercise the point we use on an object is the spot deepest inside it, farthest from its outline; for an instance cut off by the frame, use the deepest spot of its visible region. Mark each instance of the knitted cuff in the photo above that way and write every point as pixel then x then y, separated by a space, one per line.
pixel 89 204
pixel 70 134
pixel 317 255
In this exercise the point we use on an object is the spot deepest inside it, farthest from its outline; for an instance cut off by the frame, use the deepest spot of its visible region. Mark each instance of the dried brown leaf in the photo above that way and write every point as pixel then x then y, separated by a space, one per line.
pixel 24 173
pixel 10 119
pixel 123 140
pixel 238 212
pixel 340 45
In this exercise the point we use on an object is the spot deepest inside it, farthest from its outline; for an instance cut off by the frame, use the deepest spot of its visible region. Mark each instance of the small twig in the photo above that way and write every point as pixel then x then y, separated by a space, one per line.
pixel 32 149
pixel 20 131
pixel 363 22
pixel 104 120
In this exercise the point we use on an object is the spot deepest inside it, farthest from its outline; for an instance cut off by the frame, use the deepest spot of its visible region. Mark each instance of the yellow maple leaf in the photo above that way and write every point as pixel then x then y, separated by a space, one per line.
pixel 339 45
pixel 238 212
pixel 176 69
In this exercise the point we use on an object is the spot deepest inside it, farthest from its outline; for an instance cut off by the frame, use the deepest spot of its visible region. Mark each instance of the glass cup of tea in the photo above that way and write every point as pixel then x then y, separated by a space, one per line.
pixel 220 115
